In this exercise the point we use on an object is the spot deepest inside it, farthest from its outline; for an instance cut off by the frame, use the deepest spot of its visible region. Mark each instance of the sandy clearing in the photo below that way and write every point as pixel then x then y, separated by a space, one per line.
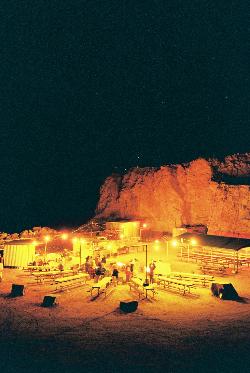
pixel 171 333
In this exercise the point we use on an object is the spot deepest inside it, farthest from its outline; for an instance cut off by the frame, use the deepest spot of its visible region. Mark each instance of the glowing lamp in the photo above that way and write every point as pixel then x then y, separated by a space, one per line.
pixel 34 243
pixel 174 243
pixel 65 236
pixel 121 236
pixel 47 238
pixel 144 225
pixel 74 240
pixel 193 242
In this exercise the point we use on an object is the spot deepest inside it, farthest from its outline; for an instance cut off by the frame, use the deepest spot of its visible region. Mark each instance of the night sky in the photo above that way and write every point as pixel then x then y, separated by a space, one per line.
pixel 89 88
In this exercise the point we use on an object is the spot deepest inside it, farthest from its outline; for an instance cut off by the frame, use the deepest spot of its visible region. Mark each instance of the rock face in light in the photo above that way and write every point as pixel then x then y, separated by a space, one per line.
pixel 210 192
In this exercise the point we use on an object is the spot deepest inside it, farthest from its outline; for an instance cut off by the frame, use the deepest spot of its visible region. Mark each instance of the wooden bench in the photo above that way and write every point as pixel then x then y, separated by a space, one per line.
pixel 212 268
pixel 43 268
pixel 41 276
pixel 195 277
pixel 137 285
pixel 181 285
pixel 69 281
pixel 101 286
pixel 244 261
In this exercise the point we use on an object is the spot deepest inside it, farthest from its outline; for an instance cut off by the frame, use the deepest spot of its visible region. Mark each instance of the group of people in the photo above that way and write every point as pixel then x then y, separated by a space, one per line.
pixel 95 267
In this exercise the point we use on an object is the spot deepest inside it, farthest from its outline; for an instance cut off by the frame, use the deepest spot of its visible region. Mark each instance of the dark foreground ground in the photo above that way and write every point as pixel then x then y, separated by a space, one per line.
pixel 169 334
pixel 143 346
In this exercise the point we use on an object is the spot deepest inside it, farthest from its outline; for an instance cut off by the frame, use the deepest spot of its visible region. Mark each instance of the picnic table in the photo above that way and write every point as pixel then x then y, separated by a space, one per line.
pixel 101 286
pixel 213 268
pixel 182 285
pixel 43 268
pixel 137 284
pixel 202 278
pixel 69 281
pixel 42 275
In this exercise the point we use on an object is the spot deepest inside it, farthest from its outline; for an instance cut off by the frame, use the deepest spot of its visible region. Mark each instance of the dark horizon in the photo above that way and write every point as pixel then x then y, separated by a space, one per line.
pixel 92 88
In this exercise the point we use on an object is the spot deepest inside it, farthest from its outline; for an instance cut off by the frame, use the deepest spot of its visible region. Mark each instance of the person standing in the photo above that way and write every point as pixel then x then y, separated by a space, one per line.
pixel 128 273
pixel 151 272
pixel 115 275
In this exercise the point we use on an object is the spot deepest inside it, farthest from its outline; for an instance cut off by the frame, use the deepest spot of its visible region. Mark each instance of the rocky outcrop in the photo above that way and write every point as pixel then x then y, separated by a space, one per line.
pixel 237 165
pixel 183 194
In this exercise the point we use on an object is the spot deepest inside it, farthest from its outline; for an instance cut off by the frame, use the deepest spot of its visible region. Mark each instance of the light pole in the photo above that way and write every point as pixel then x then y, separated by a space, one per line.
pixel 146 279
pixel 47 239
pixel 144 226
pixel 80 243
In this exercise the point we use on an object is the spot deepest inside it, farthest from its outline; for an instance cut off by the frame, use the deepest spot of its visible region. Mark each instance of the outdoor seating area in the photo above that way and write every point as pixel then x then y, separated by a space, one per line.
pixel 71 281
pixel 136 284
pixel 214 253
pixel 213 267
pixel 101 286
pixel 198 279
pixel 183 286
pixel 41 276
pixel 33 268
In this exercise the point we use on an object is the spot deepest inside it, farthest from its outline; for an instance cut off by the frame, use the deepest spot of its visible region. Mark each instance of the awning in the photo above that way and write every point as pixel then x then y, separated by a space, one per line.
pixel 216 241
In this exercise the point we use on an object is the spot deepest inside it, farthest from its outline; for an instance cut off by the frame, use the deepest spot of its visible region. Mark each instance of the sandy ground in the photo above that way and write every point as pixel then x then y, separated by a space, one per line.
pixel 171 333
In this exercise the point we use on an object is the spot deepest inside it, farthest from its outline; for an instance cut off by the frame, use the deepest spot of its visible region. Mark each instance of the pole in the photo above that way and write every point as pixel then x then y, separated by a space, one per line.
pixel 146 280
pixel 80 253
pixel 45 252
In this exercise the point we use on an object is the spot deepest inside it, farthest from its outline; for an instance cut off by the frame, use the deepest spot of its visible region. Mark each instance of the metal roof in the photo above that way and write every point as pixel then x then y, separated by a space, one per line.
pixel 232 243
pixel 26 241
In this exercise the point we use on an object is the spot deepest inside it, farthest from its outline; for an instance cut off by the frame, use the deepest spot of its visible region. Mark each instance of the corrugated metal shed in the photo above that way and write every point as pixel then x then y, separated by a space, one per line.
pixel 216 241
pixel 19 253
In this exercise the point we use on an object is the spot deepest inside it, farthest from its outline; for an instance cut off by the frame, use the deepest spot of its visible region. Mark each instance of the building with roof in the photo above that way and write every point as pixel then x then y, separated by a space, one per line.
pixel 19 253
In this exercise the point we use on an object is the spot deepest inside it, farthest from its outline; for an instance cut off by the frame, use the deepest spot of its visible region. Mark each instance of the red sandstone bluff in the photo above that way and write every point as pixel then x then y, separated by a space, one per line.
pixel 211 192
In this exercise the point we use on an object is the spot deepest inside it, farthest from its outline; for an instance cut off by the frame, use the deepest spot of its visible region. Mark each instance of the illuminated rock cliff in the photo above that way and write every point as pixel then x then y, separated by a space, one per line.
pixel 210 192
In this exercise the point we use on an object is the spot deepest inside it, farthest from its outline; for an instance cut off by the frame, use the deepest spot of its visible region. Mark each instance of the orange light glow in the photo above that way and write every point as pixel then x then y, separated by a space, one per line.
pixel 74 240
pixel 174 243
pixel 34 243
pixel 47 238
pixel 156 241
pixel 193 242
pixel 144 225
pixel 121 236
pixel 65 236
